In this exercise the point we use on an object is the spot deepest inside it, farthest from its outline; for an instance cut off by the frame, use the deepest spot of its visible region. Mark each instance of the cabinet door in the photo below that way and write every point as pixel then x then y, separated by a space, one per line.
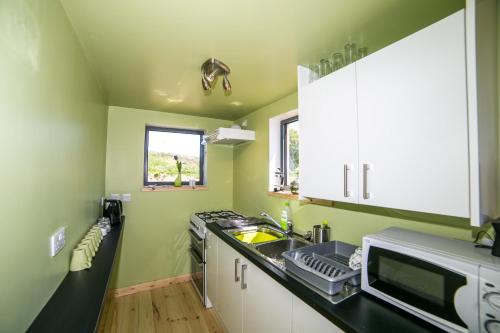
pixel 412 112
pixel 306 320
pixel 329 137
pixel 267 306
pixel 211 262
pixel 229 298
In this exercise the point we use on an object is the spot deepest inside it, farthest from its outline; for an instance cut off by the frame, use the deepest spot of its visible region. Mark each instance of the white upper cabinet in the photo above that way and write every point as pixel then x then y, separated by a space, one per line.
pixel 412 111
pixel 329 137
pixel 413 126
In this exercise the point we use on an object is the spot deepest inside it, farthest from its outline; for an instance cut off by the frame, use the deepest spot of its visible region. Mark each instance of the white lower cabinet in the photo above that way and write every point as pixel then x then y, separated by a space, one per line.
pixel 248 300
pixel 267 306
pixel 230 296
pixel 306 320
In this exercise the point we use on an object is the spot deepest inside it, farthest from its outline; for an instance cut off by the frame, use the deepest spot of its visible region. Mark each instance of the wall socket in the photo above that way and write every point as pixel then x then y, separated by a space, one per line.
pixel 57 241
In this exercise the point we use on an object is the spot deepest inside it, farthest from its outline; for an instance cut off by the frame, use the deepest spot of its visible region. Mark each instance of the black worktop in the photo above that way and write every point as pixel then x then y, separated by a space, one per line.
pixel 358 313
pixel 77 302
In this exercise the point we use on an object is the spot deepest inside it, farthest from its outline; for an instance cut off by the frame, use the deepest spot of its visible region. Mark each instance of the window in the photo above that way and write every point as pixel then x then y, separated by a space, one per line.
pixel 289 134
pixel 162 144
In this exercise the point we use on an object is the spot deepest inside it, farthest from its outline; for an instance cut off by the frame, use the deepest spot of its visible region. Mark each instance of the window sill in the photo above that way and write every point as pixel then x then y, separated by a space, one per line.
pixel 284 195
pixel 170 188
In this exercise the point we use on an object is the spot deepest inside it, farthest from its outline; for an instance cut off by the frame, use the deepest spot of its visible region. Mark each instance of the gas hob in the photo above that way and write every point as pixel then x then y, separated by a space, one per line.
pixel 215 216
pixel 226 219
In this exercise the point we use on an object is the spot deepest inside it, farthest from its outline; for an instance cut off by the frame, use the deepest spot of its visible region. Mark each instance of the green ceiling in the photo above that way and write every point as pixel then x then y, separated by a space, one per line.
pixel 147 53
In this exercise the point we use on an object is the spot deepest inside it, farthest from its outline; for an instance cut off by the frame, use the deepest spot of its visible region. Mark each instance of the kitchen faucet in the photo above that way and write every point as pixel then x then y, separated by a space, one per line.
pixel 268 217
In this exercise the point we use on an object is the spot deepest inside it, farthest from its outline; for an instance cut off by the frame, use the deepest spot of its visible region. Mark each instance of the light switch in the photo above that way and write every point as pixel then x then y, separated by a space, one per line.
pixel 57 241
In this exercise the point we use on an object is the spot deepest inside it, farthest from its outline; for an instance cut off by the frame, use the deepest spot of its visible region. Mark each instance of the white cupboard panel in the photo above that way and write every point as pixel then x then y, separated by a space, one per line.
pixel 412 112
pixel 329 137
pixel 229 297
pixel 267 306
pixel 306 320
pixel 481 38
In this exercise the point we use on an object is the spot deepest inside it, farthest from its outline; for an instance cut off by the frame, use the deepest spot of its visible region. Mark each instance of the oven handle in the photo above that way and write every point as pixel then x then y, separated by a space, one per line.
pixel 196 257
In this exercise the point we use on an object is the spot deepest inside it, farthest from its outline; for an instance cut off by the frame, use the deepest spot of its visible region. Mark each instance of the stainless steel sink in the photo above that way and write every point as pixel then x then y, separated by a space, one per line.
pixel 256 234
pixel 274 249
pixel 269 243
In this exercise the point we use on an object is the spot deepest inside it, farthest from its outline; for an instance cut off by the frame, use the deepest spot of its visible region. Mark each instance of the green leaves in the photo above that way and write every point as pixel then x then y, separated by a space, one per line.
pixel 164 166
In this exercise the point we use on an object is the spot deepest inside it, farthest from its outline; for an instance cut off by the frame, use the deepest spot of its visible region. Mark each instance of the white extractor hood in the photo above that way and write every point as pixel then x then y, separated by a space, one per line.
pixel 229 136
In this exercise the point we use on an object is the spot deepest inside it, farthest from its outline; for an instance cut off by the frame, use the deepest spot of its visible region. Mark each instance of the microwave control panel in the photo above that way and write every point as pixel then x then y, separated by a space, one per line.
pixel 489 300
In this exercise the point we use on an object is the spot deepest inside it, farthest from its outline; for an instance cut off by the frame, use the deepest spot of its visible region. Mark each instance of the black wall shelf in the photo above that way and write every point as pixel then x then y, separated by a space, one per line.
pixel 76 304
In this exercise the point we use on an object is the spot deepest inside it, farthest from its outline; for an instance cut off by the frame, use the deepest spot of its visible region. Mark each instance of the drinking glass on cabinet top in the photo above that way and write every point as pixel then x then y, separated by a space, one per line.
pixel 337 61
pixel 351 53
pixel 325 67
pixel 362 52
pixel 314 72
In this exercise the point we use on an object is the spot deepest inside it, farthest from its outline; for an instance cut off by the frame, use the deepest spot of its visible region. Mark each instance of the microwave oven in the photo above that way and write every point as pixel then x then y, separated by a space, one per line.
pixel 447 282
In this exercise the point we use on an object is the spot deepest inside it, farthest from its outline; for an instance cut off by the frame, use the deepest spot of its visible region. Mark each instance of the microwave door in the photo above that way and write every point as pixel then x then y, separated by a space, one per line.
pixel 416 282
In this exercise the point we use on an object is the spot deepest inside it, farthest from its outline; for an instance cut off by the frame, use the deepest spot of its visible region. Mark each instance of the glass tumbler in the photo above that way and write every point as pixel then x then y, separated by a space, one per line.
pixel 325 67
pixel 362 52
pixel 350 53
pixel 337 61
pixel 314 73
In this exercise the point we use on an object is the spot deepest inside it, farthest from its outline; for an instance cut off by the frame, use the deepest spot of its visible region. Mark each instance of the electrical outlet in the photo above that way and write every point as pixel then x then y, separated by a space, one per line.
pixel 57 241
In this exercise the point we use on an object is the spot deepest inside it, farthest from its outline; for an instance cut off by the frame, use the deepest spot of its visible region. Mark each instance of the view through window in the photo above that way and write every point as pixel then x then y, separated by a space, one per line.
pixel 290 149
pixel 162 145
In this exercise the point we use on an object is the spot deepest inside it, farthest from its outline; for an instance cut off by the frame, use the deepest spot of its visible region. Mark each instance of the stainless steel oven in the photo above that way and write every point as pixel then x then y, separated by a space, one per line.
pixel 198 265
pixel 197 233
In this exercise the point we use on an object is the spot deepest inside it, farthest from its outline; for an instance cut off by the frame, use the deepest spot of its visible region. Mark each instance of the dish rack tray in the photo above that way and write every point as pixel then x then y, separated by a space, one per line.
pixel 325 266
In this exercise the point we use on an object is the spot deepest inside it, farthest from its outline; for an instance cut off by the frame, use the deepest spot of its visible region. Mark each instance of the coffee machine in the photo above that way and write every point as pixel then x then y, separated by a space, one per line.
pixel 113 209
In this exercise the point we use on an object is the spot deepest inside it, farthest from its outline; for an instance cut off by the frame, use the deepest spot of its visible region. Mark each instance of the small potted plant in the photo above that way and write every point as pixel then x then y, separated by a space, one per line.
pixel 294 187
pixel 178 180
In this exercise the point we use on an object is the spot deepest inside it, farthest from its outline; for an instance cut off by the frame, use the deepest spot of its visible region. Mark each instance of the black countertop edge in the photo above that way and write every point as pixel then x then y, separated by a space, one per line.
pixel 76 304
pixel 359 313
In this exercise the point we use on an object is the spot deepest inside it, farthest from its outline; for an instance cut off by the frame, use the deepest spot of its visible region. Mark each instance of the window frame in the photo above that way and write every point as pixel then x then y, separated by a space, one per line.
pixel 283 135
pixel 148 129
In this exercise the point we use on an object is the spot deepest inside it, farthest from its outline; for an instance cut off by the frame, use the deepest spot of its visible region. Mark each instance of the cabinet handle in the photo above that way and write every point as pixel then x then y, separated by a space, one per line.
pixel 347 194
pixel 236 263
pixel 243 283
pixel 366 194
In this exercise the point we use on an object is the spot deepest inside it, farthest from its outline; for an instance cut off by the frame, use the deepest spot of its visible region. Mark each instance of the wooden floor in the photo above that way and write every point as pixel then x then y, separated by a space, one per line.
pixel 176 308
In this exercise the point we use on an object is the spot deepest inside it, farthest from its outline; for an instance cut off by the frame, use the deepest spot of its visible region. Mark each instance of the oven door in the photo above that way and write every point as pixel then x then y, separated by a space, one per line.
pixel 434 287
pixel 197 244
pixel 198 275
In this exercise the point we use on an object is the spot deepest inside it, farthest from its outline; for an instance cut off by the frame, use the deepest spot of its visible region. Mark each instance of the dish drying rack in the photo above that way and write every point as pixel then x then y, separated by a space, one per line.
pixel 325 266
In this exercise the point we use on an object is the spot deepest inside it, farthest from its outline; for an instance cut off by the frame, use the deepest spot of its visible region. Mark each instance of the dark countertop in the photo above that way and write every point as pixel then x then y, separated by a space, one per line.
pixel 358 313
pixel 76 304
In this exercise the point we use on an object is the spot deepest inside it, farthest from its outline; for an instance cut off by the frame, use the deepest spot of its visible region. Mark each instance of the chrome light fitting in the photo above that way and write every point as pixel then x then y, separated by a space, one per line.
pixel 210 70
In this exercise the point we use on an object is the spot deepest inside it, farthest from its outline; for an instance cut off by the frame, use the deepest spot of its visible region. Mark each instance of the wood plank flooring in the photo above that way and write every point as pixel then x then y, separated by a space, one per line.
pixel 175 308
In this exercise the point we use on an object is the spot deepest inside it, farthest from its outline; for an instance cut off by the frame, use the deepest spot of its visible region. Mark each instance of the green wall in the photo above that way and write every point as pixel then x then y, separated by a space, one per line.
pixel 350 222
pixel 155 242
pixel 52 140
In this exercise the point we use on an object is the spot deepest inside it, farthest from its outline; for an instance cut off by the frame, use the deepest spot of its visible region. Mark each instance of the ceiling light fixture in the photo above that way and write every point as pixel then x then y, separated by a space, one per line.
pixel 210 70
